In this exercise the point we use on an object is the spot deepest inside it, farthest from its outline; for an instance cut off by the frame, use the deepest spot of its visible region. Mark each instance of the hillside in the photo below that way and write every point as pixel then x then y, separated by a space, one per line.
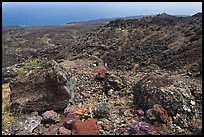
pixel 126 77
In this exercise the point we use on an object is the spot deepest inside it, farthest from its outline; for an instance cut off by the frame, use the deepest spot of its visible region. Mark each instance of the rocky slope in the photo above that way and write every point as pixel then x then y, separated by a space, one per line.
pixel 135 76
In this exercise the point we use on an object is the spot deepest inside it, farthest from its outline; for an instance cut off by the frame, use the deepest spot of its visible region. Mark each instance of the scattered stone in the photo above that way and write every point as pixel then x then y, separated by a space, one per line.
pixel 101 73
pixel 113 82
pixel 25 125
pixel 158 113
pixel 69 120
pixel 64 131
pixel 198 131
pixel 140 112
pixel 50 116
pixel 143 128
pixel 180 120
pixel 54 129
pixel 69 109
pixel 102 110
pixel 105 125
pixel 88 127
pixel 40 130
pixel 8 74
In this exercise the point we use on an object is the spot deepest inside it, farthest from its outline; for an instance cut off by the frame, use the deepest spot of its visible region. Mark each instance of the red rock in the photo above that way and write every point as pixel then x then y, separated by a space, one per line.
pixel 69 120
pixel 88 127
pixel 64 131
pixel 158 109
pixel 101 73
pixel 158 113
pixel 81 112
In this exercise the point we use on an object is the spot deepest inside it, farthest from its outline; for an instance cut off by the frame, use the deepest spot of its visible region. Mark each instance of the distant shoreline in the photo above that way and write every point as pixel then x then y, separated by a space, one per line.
pixel 95 21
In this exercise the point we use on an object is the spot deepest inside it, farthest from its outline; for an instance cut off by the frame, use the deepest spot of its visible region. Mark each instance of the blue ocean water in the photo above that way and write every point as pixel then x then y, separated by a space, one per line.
pixel 27 15
pixel 59 13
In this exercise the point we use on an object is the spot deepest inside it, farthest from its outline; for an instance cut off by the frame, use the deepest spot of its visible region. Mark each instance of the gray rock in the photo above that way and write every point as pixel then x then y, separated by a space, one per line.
pixel 102 109
pixel 114 82
pixel 169 91
pixel 143 128
pixel 198 131
pixel 51 116
pixel 25 126
pixel 180 120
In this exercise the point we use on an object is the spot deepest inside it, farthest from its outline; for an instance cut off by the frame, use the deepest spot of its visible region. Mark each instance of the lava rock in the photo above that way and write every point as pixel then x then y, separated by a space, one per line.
pixel 143 128
pixel 88 127
pixel 171 92
pixel 198 131
pixel 140 112
pixel 64 131
pixel 69 109
pixel 102 110
pixel 26 125
pixel 8 74
pixel 40 130
pixel 51 116
pixel 43 90
pixel 180 120
pixel 70 119
pixel 113 82
pixel 158 113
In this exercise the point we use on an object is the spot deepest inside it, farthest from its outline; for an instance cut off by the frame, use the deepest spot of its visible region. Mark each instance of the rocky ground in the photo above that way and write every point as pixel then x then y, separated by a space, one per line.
pixel 127 77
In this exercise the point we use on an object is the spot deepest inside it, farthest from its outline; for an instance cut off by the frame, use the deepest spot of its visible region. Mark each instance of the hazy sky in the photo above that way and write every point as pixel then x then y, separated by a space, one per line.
pixel 55 13
pixel 119 8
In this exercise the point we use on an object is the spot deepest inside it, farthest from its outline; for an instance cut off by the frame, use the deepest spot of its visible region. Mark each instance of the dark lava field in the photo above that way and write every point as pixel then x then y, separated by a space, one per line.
pixel 125 77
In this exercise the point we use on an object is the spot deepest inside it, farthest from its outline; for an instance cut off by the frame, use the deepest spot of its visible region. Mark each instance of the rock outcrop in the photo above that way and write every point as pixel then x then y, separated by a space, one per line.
pixel 173 94
pixel 42 90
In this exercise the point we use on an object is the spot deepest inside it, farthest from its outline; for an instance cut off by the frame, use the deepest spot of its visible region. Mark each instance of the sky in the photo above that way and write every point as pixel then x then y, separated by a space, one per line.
pixel 82 11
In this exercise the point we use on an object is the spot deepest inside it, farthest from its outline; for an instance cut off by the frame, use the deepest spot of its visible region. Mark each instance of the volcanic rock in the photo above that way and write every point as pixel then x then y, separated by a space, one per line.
pixel 44 89
pixel 172 93
pixel 25 125
pixel 143 128
pixel 158 113
pixel 50 116
pixel 88 127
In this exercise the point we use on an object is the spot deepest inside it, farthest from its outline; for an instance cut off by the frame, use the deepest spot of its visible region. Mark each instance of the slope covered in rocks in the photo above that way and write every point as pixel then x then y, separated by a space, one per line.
pixel 170 42
pixel 137 77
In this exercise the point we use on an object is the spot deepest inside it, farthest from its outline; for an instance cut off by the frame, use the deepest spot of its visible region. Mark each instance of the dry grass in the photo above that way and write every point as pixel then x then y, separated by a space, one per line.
pixel 7 117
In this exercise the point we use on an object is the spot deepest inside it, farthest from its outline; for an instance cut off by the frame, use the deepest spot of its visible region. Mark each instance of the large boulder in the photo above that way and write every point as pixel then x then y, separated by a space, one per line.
pixel 41 90
pixel 171 92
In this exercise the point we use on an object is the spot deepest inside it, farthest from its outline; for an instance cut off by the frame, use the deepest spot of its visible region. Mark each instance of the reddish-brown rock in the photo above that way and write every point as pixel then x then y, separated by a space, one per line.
pixel 40 91
pixel 158 113
pixel 88 127
pixel 101 73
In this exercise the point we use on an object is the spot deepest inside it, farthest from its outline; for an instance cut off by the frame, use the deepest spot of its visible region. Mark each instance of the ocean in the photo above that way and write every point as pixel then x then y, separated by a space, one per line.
pixel 50 15
pixel 28 14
